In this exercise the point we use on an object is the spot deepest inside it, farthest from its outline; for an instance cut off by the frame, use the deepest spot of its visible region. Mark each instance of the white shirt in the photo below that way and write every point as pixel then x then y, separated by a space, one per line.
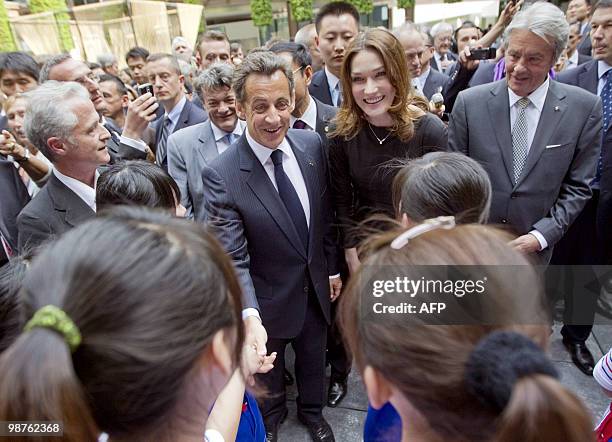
pixel 533 112
pixel 419 82
pixel 438 59
pixel 82 190
pixel 309 116
pixel 221 135
pixel 332 83
pixel 290 166
pixel 572 62
pixel 602 68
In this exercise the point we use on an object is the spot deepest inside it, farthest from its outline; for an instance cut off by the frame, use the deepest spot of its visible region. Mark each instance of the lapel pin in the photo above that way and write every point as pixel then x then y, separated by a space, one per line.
pixel 326 129
pixel 556 108
pixel 310 163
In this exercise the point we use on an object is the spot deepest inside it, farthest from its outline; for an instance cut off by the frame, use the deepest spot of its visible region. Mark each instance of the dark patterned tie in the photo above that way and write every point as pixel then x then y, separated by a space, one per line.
pixel 299 124
pixel 520 147
pixel 160 155
pixel 606 101
pixel 290 197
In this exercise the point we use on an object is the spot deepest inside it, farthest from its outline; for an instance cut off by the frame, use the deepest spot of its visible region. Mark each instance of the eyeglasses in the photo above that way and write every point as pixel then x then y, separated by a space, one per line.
pixel 295 71
pixel 441 222
pixel 87 78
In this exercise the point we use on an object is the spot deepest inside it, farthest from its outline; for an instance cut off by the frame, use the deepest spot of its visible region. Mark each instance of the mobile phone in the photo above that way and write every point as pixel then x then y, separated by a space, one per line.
pixel 482 54
pixel 144 88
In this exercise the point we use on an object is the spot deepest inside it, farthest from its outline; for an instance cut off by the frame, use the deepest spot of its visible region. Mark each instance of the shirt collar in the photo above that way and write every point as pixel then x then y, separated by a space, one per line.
pixel 220 133
pixel 574 58
pixel 423 77
pixel 262 152
pixel 332 80
pixel 175 113
pixel 83 191
pixel 536 98
pixel 602 68
pixel 309 116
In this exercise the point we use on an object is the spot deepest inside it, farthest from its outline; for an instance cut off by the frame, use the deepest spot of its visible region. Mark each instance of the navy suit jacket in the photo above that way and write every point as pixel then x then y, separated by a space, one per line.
pixel 13 197
pixel 276 272
pixel 586 77
pixel 319 87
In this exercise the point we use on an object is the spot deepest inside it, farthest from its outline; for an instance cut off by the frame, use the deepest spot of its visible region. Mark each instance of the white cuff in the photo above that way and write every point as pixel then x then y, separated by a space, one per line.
pixel 250 312
pixel 540 238
pixel 335 276
pixel 136 144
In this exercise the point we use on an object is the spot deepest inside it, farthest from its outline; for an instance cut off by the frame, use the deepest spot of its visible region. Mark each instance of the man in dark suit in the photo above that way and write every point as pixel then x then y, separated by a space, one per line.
pixel 76 146
pixel 588 239
pixel 125 146
pixel 191 148
pixel 337 24
pixel 13 198
pixel 310 114
pixel 443 58
pixel 267 199
pixel 547 136
pixel 578 11
pixel 164 73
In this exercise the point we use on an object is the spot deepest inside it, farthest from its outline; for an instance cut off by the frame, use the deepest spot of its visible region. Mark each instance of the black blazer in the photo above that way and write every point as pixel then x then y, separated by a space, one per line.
pixel 190 115
pixel 119 151
pixel 276 272
pixel 585 46
pixel 13 197
pixel 325 115
pixel 53 210
pixel 319 88
pixel 586 77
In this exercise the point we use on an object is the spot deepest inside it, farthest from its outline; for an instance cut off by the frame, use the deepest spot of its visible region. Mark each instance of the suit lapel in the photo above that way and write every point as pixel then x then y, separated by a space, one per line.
pixel 183 120
pixel 65 200
pixel 552 112
pixel 587 79
pixel 499 117
pixel 208 146
pixel 323 86
pixel 259 182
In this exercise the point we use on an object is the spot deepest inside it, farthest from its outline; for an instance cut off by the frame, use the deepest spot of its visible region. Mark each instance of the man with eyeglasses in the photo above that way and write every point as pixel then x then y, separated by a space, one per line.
pixel 128 145
pixel 442 34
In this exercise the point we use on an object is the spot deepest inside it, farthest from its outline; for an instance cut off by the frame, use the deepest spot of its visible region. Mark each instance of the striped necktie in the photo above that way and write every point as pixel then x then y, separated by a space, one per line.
pixel 520 132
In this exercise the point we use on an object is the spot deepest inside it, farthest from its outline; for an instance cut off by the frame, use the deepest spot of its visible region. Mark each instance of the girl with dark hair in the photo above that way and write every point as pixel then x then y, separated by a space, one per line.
pixel 133 328
pixel 138 183
pixel 475 371
pixel 381 120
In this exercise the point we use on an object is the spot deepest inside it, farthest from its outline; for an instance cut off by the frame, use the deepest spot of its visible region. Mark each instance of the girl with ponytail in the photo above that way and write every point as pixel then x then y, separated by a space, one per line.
pixel 133 328
pixel 474 371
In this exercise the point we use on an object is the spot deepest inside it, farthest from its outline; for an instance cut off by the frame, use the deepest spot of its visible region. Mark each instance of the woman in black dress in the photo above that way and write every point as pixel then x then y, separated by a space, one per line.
pixel 380 121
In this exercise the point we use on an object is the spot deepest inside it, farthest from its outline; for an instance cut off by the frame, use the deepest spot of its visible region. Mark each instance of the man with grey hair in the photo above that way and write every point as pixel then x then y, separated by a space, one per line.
pixel 443 58
pixel 63 124
pixel 307 35
pixel 191 148
pixel 267 200
pixel 108 63
pixel 538 139
pixel 125 146
pixel 181 49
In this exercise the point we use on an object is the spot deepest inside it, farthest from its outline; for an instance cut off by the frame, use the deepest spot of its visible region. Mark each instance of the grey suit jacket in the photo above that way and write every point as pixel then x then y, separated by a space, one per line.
pixel 554 185
pixel 436 81
pixel 53 210
pixel 276 271
pixel 189 150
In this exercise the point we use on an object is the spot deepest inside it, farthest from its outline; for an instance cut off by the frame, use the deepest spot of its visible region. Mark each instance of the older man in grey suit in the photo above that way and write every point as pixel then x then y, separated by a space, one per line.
pixel 538 139
pixel 191 148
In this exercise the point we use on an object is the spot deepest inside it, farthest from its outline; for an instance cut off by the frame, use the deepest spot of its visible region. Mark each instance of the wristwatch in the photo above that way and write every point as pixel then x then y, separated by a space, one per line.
pixel 25 158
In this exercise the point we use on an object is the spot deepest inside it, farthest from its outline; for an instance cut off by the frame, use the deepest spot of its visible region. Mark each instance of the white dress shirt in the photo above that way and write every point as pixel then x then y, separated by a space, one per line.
pixel 572 62
pixel 82 190
pixel 533 112
pixel 309 116
pixel 221 136
pixel 290 166
pixel 602 68
pixel 332 83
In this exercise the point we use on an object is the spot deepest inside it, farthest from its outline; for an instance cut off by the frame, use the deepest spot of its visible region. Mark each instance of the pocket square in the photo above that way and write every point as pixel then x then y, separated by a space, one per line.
pixel 552 146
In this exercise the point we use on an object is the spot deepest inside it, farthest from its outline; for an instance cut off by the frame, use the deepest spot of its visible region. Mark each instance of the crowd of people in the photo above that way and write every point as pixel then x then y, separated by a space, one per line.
pixel 169 229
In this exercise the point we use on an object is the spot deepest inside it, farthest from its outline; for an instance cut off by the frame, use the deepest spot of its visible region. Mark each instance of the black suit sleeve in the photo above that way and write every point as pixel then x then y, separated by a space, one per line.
pixel 342 189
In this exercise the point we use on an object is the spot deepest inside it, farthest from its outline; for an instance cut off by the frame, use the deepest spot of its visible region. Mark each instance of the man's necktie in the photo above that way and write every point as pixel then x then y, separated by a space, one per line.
pixel 606 101
pixel 290 197
pixel 338 95
pixel 160 155
pixel 520 138
pixel 229 138
pixel 299 124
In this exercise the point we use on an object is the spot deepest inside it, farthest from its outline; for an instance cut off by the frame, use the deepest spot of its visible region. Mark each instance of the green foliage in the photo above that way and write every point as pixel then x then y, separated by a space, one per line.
pixel 261 12
pixel 6 36
pixel 301 9
pixel 193 2
pixel 451 1
pixel 405 4
pixel 363 6
pixel 61 18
